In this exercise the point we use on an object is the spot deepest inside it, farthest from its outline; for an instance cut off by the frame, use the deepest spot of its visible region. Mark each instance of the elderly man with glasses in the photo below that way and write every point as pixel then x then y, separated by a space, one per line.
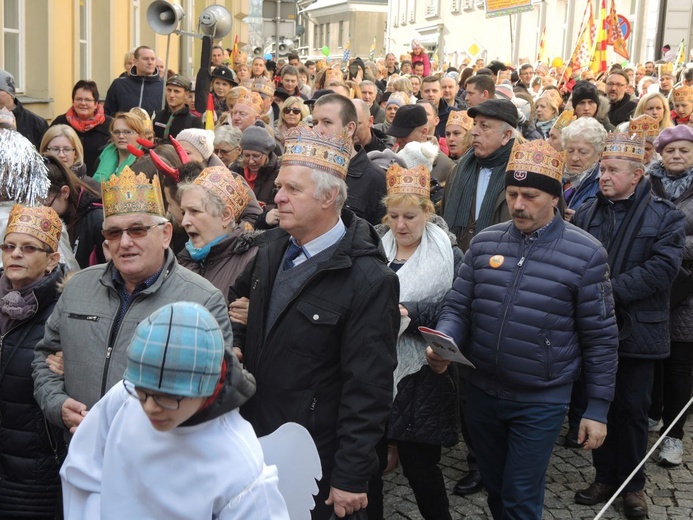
pixel 97 314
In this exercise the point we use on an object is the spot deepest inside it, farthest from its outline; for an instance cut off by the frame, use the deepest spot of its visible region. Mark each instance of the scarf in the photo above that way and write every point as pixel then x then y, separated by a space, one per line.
pixel 463 188
pixel 16 305
pixel 425 277
pixel 674 187
pixel 199 254
pixel 250 177
pixel 82 126
pixel 108 163
pixel 544 127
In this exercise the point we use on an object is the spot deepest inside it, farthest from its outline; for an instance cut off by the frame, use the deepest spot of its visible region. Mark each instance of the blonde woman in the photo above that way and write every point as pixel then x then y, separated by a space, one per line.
pixel 126 128
pixel 63 142
pixel 292 113
pixel 654 105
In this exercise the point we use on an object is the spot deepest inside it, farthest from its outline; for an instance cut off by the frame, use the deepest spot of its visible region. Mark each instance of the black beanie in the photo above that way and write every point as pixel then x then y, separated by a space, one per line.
pixel 584 90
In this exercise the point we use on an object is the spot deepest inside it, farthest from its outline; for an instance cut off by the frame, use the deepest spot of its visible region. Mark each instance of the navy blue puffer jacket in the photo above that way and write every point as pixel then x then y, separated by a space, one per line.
pixel 533 322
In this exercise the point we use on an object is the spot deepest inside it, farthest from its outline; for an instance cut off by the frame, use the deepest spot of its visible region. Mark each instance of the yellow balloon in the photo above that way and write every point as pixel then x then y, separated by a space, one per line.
pixel 557 63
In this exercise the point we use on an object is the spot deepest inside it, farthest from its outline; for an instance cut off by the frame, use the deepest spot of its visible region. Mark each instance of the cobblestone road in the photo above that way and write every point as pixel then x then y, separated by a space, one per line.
pixel 669 492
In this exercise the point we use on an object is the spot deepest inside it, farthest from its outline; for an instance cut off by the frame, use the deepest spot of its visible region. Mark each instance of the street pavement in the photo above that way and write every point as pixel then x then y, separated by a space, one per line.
pixel 669 492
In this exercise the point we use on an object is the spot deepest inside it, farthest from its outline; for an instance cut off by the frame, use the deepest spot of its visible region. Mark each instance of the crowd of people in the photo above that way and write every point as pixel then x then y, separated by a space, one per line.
pixel 278 268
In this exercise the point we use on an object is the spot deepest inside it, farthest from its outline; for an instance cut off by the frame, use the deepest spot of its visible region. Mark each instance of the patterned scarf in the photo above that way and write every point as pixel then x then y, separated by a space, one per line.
pixel 674 187
pixel 84 126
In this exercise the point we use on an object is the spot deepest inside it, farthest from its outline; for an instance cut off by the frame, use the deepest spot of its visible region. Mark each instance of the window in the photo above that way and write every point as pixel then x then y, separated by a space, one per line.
pixel 136 23
pixel 328 26
pixel 412 11
pixel 468 5
pixel 340 42
pixel 84 39
pixel 395 13
pixel 13 41
pixel 455 6
pixel 316 36
pixel 431 8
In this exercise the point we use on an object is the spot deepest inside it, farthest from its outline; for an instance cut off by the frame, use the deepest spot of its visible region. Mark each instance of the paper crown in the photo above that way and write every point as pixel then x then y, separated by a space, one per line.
pixel 129 193
pixel 684 93
pixel 553 95
pixel 261 86
pixel 398 98
pixel 304 146
pixel 40 222
pixel 237 91
pixel 414 181
pixel 331 74
pixel 460 118
pixel 624 146
pixel 536 156
pixel 563 120
pixel 644 125
pixel 142 114
pixel 220 180
pixel 251 99
pixel 666 69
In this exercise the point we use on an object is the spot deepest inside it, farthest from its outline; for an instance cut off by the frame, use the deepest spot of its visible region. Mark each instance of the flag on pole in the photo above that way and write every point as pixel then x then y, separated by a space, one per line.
pixel 347 52
pixel 580 59
pixel 209 113
pixel 615 37
pixel 371 53
pixel 542 55
pixel 598 63
pixel 680 54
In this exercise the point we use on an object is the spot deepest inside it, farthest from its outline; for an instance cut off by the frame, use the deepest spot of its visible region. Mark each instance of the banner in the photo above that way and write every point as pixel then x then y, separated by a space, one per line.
pixel 582 54
pixel 615 37
pixel 505 7
pixel 542 55
pixel 598 63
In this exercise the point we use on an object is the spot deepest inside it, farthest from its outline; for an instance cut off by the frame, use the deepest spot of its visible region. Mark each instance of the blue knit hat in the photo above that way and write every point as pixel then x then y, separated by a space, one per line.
pixel 178 350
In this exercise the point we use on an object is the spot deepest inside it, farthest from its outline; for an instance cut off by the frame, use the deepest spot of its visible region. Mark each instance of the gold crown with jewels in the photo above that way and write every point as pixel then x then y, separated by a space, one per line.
pixel 405 181
pixel 304 146
pixel 129 193
pixel 537 156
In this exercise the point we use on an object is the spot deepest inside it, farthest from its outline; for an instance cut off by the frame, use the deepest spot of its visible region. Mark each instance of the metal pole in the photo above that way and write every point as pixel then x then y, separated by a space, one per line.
pixel 163 93
pixel 516 48
pixel 278 30
pixel 186 44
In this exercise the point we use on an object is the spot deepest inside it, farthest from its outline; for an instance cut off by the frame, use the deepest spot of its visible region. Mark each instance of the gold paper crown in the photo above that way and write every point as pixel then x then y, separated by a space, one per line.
pixel 237 91
pixel 684 93
pixel 563 120
pixel 398 98
pixel 142 114
pixel 220 180
pixel 537 156
pixel 130 193
pixel 251 99
pixel 460 118
pixel 644 125
pixel 40 222
pixel 666 69
pixel 261 86
pixel 414 181
pixel 624 146
pixel 553 95
pixel 331 74
pixel 304 146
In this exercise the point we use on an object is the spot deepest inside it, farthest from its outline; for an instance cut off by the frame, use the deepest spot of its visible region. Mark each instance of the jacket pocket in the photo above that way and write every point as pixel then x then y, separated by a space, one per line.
pixel 85 317
pixel 545 346
pixel 316 314
pixel 651 316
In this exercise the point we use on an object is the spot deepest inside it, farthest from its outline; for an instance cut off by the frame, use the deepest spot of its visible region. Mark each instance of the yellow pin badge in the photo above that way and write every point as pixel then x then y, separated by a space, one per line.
pixel 496 261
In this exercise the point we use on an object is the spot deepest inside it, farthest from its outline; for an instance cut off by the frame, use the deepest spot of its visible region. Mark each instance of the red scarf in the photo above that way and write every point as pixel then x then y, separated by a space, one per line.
pixel 678 120
pixel 89 124
pixel 250 178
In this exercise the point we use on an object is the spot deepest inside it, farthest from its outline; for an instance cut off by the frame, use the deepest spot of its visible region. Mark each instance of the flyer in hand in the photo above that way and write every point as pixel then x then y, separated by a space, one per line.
pixel 444 346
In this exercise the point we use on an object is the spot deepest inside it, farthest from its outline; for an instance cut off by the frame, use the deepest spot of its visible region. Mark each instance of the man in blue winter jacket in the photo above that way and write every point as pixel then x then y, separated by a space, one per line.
pixel 531 308
pixel 141 87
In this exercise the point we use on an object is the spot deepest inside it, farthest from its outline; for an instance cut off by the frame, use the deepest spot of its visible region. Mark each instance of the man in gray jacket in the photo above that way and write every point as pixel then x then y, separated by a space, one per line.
pixel 96 316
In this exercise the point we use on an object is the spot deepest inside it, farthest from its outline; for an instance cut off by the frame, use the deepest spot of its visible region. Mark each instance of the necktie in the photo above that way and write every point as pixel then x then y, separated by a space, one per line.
pixel 291 254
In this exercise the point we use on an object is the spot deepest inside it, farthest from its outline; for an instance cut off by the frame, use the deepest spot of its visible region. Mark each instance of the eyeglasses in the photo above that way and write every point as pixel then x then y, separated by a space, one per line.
pixel 256 157
pixel 620 85
pixel 167 402
pixel 26 249
pixel 57 150
pixel 123 132
pixel 83 100
pixel 133 231
pixel 293 110
pixel 221 151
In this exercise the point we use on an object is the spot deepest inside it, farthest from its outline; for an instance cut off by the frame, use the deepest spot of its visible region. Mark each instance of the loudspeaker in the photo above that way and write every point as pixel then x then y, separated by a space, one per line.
pixel 215 21
pixel 285 46
pixel 163 17
pixel 257 51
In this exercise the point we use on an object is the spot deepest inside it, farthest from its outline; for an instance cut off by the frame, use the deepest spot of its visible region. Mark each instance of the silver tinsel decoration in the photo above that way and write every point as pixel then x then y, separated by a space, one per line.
pixel 23 174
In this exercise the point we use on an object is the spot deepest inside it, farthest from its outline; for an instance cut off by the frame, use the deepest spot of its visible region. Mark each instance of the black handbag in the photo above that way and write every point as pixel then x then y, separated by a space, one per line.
pixel 682 287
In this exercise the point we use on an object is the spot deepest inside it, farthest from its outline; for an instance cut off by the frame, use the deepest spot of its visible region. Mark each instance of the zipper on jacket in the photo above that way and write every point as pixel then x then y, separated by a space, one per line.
pixel 511 296
pixel 142 93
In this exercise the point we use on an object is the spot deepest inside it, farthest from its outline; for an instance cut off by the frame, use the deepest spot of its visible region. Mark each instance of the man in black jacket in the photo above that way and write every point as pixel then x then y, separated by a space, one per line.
pixel 29 124
pixel 365 134
pixel 143 87
pixel 621 105
pixel 320 355
pixel 176 117
pixel 334 114
pixel 644 236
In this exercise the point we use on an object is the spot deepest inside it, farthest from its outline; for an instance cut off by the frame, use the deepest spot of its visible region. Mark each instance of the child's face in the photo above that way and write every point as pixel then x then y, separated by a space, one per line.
pixel 683 108
pixel 164 420
pixel 221 87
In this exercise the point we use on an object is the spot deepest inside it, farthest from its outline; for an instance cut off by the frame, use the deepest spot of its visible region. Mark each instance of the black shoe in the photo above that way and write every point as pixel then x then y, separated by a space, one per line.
pixel 596 493
pixel 571 439
pixel 634 505
pixel 469 484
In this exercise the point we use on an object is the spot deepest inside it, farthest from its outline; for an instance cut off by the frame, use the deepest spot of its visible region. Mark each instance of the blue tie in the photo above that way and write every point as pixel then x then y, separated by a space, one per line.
pixel 291 254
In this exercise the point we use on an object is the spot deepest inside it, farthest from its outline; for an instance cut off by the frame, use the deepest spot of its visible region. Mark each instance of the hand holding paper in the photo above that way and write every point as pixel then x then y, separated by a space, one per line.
pixel 444 346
